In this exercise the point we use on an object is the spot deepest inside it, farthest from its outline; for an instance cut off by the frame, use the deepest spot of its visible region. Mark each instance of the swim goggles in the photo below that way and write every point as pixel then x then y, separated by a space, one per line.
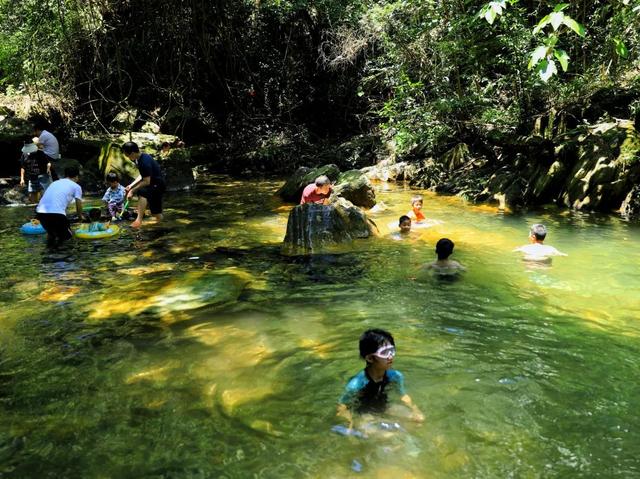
pixel 386 352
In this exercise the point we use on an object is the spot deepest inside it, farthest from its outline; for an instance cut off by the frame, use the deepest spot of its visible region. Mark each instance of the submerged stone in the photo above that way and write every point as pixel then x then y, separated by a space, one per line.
pixel 314 228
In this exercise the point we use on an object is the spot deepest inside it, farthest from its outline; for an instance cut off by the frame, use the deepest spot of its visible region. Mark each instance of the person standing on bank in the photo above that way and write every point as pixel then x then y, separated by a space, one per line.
pixel 149 184
pixel 48 144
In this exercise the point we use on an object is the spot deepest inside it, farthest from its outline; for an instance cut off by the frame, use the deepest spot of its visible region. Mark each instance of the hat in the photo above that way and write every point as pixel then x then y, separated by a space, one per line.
pixel 29 148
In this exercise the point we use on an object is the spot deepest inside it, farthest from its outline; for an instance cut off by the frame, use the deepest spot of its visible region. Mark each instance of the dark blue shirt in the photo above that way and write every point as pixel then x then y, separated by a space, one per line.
pixel 147 166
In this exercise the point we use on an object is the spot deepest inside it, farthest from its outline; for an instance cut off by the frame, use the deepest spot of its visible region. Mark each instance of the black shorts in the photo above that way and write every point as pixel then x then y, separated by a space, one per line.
pixel 56 225
pixel 153 193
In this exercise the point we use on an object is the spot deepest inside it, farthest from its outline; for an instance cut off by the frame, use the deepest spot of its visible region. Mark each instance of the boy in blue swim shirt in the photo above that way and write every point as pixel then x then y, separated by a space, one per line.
pixel 367 390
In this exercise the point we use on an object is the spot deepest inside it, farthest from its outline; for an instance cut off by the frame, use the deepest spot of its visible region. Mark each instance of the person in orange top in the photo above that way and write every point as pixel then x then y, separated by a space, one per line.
pixel 317 192
pixel 416 213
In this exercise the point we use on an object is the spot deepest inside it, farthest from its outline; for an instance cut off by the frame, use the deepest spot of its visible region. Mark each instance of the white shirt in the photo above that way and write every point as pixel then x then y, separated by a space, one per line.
pixel 539 252
pixel 50 144
pixel 57 197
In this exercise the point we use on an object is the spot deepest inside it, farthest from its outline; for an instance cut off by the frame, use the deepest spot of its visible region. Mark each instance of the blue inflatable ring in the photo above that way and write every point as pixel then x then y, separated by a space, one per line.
pixel 33 227
pixel 109 232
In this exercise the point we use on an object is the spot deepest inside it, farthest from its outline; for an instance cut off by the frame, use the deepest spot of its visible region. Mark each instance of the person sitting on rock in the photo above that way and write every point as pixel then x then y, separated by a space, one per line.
pixel 537 251
pixel 443 265
pixel 34 171
pixel 404 225
pixel 317 192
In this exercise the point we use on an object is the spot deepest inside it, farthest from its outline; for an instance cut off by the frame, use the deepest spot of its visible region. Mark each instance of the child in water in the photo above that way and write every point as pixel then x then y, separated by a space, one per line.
pixel 95 226
pixel 538 251
pixel 416 213
pixel 443 265
pixel 114 196
pixel 367 390
pixel 404 223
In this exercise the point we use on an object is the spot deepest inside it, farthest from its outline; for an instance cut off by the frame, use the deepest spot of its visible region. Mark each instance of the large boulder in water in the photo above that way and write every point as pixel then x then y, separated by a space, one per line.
pixel 314 228
pixel 291 191
pixel 354 186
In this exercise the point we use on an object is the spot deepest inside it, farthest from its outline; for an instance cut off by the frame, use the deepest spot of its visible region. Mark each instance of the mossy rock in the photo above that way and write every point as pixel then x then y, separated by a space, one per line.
pixel 354 186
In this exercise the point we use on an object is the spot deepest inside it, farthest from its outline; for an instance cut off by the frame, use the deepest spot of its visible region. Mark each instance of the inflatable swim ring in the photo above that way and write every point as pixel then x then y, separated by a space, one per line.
pixel 85 234
pixel 33 227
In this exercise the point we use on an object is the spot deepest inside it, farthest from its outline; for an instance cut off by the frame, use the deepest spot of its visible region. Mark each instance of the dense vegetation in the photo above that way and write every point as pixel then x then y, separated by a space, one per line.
pixel 420 75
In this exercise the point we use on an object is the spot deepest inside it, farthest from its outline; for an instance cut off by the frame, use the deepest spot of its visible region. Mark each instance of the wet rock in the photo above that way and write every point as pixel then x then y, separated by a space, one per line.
pixel 631 205
pixel 314 228
pixel 548 183
pixel 355 187
pixel 13 196
pixel 292 190
pixel 606 164
pixel 389 170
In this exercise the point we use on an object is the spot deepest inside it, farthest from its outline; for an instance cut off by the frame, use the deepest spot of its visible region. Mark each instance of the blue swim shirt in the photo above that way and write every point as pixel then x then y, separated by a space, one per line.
pixel 366 395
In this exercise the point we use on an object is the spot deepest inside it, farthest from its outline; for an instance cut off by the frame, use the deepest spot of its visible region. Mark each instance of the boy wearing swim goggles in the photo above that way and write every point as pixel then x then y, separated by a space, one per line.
pixel 366 391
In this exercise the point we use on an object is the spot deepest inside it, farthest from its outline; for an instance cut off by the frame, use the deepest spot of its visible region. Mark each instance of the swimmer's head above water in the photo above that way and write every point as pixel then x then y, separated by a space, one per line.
pixel 537 233
pixel 444 248
pixel 404 223
pixel 377 344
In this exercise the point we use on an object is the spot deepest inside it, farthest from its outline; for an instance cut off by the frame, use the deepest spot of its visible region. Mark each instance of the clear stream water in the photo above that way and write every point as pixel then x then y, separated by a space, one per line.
pixel 194 349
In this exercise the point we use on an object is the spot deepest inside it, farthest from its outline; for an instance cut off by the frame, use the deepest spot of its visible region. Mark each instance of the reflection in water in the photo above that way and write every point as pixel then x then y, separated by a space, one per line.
pixel 195 349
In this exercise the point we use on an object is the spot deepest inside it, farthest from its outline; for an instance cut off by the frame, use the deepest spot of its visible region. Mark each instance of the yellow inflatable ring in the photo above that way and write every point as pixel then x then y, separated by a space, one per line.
pixel 86 234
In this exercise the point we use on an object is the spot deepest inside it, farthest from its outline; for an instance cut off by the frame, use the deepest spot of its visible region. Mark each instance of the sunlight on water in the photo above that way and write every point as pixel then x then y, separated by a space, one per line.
pixel 195 349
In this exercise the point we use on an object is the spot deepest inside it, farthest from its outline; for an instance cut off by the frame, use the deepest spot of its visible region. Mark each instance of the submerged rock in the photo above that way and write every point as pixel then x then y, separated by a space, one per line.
pixel 314 228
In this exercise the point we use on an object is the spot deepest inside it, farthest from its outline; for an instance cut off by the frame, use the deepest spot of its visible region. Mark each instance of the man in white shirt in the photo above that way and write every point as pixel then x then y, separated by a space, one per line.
pixel 52 209
pixel 537 251
pixel 48 144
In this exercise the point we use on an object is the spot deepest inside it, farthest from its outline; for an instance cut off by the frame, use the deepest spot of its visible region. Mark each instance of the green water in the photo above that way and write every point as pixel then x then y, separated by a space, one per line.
pixel 194 349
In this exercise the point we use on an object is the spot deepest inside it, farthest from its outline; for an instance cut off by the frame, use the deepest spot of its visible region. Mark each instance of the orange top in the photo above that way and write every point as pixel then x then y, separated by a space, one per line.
pixel 419 215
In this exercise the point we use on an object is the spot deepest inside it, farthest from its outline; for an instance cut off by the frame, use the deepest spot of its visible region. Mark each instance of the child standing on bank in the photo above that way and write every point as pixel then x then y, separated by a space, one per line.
pixel 114 196
pixel 367 390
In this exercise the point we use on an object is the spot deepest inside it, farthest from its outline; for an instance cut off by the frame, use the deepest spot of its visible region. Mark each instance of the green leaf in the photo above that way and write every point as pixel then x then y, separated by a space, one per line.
pixel 490 15
pixel 556 19
pixel 547 69
pixel 621 48
pixel 537 55
pixel 563 58
pixel 573 25
pixel 541 24
pixel 497 6
pixel 561 6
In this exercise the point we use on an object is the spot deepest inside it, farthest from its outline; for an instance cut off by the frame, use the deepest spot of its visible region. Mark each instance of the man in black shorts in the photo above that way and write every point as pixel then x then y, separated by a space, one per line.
pixel 149 184
pixel 52 209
